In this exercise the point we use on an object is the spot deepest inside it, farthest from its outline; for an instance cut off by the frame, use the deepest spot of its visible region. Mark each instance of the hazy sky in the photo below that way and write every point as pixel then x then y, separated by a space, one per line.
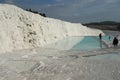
pixel 74 10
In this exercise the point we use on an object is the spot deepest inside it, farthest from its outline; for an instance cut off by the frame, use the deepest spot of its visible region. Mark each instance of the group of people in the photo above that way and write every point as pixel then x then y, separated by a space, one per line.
pixel 115 40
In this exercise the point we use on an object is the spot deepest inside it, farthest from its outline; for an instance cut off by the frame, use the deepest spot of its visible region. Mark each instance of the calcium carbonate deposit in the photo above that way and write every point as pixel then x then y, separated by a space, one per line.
pixel 20 29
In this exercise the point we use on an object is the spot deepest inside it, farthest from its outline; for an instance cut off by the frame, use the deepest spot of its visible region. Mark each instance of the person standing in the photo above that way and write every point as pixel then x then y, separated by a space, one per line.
pixel 115 41
pixel 100 36
pixel 109 38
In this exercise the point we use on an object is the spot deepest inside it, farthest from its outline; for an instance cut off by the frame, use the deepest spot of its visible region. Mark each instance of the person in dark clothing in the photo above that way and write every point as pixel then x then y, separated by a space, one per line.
pixel 100 36
pixel 115 41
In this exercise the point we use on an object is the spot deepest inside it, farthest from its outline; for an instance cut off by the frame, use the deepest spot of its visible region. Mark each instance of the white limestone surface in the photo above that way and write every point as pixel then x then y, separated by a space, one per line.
pixel 46 64
pixel 20 29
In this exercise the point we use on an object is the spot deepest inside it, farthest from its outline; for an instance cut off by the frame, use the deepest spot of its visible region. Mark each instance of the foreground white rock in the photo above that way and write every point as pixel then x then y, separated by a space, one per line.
pixel 20 29
pixel 44 64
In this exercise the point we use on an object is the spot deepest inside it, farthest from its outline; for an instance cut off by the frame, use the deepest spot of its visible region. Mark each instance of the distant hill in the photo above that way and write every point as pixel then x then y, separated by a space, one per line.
pixel 42 14
pixel 105 25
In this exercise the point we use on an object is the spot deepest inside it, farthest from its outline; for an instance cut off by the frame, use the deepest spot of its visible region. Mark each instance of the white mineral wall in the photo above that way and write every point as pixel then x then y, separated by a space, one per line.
pixel 20 29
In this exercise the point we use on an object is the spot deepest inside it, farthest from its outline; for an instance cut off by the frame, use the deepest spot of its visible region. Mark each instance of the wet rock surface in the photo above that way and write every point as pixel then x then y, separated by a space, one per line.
pixel 43 64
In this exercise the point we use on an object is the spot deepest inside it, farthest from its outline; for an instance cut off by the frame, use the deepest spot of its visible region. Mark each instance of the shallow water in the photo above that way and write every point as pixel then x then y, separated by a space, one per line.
pixel 87 43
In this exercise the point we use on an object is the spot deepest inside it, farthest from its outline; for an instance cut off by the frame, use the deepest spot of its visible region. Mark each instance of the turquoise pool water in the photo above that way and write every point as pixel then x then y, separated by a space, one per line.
pixel 91 43
pixel 106 38
pixel 86 43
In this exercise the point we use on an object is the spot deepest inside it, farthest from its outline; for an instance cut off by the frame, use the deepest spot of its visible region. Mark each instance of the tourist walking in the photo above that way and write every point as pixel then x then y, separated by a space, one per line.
pixel 109 38
pixel 115 41
pixel 100 36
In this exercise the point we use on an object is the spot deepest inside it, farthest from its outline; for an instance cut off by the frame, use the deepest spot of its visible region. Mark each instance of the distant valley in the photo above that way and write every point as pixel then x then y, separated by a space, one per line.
pixel 105 25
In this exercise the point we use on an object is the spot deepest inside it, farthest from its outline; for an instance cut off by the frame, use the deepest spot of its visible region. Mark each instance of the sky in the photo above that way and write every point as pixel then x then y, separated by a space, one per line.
pixel 78 11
